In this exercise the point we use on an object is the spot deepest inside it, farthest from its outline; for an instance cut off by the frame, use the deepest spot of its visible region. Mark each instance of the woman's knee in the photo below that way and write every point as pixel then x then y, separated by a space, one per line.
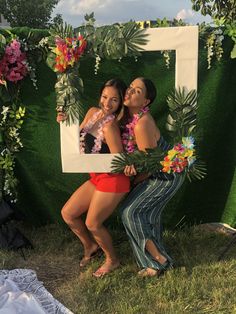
pixel 92 226
pixel 67 215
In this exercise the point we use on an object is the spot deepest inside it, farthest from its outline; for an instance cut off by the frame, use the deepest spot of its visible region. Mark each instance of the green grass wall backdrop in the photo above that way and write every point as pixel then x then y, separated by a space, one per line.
pixel 43 188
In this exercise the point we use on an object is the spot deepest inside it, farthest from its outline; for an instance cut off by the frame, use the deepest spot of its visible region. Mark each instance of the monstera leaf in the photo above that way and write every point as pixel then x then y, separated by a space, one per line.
pixel 113 41
pixel 110 42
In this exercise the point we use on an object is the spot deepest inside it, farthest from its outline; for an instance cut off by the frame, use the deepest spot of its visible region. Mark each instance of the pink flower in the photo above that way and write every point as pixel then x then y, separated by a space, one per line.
pixel 15 44
pixel 14 76
pixel 13 66
pixel 128 138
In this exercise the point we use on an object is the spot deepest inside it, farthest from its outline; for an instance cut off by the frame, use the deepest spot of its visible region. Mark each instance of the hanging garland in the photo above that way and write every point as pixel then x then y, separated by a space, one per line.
pixel 211 36
pixel 14 67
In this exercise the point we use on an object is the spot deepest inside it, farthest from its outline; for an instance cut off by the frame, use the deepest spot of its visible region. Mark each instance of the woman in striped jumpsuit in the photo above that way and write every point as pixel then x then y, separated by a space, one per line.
pixel 142 208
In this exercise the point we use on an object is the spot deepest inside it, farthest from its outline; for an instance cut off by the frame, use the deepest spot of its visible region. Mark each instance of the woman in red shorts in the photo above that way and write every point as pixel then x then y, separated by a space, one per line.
pixel 99 196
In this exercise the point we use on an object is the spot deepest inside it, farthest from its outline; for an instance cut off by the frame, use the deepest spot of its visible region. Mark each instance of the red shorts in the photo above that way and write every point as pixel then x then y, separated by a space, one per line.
pixel 110 182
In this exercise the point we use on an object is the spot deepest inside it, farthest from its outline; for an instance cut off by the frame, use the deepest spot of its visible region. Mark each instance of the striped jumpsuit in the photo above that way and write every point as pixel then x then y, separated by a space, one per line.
pixel 141 213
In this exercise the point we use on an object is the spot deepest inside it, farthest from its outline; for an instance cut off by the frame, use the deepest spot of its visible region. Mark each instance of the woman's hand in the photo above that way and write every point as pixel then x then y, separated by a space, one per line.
pixel 130 171
pixel 61 116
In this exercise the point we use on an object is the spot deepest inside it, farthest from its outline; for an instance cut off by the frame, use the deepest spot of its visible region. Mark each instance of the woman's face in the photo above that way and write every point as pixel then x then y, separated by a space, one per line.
pixel 109 100
pixel 135 96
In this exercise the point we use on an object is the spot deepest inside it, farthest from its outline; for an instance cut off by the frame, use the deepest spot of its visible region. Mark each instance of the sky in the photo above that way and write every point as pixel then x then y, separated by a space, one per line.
pixel 119 11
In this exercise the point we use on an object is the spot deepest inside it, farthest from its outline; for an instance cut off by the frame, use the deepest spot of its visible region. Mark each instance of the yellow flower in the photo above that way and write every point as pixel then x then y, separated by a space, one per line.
pixel 188 152
pixel 172 153
pixel 20 113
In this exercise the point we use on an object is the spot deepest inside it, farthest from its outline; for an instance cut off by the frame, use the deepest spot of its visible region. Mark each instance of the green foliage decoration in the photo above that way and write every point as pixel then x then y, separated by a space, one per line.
pixel 223 13
pixel 181 122
pixel 105 42
pixel 10 143
pixel 15 64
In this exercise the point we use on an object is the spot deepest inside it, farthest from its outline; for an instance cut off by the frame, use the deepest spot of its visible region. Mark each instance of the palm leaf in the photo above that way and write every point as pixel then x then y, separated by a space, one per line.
pixel 181 122
pixel 62 30
pixel 197 171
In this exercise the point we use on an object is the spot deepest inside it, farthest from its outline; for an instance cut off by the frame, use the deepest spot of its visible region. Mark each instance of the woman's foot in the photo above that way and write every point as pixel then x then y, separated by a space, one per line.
pixel 148 272
pixel 106 268
pixel 89 254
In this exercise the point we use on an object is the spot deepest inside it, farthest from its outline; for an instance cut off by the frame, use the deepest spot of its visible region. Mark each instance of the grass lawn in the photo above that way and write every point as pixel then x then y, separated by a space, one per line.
pixel 199 283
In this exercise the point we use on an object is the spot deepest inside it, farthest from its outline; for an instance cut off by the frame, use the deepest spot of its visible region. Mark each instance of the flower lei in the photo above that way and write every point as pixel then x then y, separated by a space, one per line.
pixel 128 138
pixel 98 141
pixel 180 156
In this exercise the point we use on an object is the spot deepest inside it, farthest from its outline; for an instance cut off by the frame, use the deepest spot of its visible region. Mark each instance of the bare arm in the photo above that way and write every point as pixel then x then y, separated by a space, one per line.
pixel 88 115
pixel 61 116
pixel 112 136
pixel 146 134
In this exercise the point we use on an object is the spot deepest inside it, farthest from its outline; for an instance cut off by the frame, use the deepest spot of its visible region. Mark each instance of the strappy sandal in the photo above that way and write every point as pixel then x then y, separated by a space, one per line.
pixel 87 259
pixel 150 272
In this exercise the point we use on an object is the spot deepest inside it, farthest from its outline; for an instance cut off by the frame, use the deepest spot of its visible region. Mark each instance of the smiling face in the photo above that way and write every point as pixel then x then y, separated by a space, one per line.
pixel 109 100
pixel 135 97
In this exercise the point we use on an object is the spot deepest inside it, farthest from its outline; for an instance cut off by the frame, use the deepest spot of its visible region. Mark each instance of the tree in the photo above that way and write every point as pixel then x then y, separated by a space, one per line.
pixel 217 9
pixel 34 14
pixel 57 20
pixel 223 13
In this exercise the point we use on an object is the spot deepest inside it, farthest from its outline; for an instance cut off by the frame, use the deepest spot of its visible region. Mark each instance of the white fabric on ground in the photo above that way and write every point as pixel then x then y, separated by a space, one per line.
pixel 21 292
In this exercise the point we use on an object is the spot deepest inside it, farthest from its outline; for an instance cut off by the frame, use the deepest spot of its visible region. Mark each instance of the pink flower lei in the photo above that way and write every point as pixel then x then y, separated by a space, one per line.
pixel 98 141
pixel 128 138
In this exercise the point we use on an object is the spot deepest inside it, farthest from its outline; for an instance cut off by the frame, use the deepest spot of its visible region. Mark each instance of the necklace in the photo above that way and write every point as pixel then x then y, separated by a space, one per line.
pixel 128 137
pixel 98 141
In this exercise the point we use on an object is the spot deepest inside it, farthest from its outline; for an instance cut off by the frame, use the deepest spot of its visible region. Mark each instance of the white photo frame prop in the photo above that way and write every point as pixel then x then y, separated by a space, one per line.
pixel 184 40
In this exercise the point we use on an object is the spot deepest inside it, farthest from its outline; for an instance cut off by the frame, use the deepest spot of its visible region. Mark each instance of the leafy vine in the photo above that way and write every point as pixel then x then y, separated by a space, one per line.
pixel 14 67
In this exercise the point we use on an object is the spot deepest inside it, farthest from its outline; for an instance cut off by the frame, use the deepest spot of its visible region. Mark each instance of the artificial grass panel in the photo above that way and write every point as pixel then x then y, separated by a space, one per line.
pixel 43 189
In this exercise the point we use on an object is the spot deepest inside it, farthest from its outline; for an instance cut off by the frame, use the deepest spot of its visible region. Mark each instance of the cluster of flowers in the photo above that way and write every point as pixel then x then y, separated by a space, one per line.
pixel 180 156
pixel 13 66
pixel 128 138
pixel 68 51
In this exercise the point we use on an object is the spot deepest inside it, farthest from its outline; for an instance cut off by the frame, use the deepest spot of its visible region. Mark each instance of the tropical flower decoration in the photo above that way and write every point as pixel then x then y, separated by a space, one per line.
pixel 182 155
pixel 13 66
pixel 68 51
pixel 66 46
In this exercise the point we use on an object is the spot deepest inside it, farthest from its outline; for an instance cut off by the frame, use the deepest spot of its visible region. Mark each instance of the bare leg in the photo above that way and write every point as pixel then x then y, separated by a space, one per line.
pixel 102 206
pixel 152 249
pixel 77 204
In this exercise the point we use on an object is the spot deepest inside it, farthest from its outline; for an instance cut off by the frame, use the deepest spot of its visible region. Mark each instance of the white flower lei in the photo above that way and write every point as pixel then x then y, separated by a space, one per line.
pixel 98 141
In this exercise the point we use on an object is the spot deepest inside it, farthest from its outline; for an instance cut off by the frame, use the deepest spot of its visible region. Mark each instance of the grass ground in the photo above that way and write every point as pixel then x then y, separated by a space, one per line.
pixel 199 283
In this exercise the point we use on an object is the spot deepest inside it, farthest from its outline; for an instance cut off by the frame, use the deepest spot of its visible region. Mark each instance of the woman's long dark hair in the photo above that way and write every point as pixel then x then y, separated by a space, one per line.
pixel 121 88
pixel 151 91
